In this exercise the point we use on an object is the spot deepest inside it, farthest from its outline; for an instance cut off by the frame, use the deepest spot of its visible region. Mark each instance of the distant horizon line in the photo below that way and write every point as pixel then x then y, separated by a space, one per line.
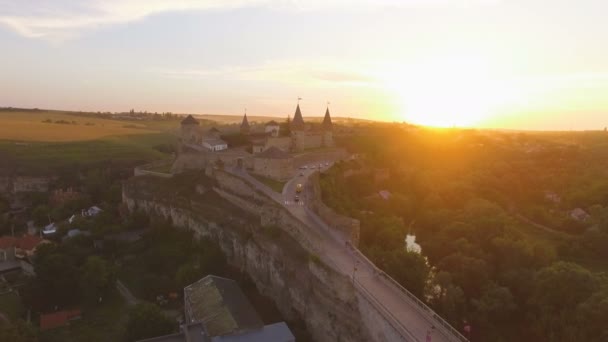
pixel 34 109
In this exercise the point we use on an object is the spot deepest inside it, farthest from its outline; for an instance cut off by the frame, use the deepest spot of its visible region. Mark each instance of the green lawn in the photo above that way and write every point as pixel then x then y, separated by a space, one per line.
pixel 275 185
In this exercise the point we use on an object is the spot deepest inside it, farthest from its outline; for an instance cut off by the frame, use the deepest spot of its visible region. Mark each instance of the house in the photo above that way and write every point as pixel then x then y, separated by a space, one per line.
pixel 7 248
pixel 272 128
pixel 19 247
pixel 385 194
pixel 25 247
pixel 553 197
pixel 49 229
pixel 58 319
pixel 579 214
pixel 92 211
pixel 216 310
pixel 74 233
pixel 60 196
pixel 215 145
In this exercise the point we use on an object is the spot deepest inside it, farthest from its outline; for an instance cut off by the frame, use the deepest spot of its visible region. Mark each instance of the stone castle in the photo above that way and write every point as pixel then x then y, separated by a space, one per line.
pixel 273 152
pixel 297 136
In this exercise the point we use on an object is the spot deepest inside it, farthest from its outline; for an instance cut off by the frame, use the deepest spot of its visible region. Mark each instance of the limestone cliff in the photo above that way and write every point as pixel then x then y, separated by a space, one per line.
pixel 299 283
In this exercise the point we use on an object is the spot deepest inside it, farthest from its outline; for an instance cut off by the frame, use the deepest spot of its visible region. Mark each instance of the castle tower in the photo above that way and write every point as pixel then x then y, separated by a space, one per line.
pixel 189 129
pixel 297 124
pixel 297 130
pixel 327 129
pixel 245 128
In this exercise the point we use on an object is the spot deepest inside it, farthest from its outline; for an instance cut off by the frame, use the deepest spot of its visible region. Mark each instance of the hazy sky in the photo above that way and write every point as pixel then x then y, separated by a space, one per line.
pixel 528 64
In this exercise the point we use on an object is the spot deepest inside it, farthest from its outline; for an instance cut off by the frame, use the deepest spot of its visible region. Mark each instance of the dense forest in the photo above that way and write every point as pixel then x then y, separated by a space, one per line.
pixel 513 227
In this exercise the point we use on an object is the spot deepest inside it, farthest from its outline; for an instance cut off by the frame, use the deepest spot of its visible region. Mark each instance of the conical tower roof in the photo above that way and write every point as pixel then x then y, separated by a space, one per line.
pixel 245 123
pixel 327 125
pixel 190 120
pixel 298 121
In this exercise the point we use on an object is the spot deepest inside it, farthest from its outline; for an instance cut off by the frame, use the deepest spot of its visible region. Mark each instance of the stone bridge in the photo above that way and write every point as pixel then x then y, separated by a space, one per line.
pixel 406 315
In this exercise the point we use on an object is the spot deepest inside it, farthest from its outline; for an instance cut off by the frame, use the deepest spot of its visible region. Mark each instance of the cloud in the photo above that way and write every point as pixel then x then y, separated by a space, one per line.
pixel 59 20
pixel 297 72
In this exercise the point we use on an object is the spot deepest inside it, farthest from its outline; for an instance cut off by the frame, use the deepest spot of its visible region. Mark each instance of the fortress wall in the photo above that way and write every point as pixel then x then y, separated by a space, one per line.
pixel 330 155
pixel 345 225
pixel 29 184
pixel 280 265
pixel 244 195
pixel 311 140
pixel 198 160
pixel 279 169
pixel 283 143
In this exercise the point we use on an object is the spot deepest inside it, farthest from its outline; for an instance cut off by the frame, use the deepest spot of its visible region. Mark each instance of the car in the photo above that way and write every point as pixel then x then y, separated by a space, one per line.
pixel 327 164
pixel 304 167
pixel 297 198
pixel 301 174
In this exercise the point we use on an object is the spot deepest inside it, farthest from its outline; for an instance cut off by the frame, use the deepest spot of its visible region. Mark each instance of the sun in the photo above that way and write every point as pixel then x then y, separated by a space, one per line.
pixel 448 90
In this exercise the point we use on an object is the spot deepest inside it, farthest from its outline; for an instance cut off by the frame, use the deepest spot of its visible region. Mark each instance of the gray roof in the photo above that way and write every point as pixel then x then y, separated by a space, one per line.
pixel 196 333
pixel 221 306
pixel 273 153
pixel 277 332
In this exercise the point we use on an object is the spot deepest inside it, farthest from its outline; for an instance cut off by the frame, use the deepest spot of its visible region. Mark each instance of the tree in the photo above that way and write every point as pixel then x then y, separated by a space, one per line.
pixel 40 214
pixel 147 320
pixel 17 331
pixel 494 310
pixel 559 289
pixel 409 268
pixel 96 278
pixel 56 275
pixel 187 274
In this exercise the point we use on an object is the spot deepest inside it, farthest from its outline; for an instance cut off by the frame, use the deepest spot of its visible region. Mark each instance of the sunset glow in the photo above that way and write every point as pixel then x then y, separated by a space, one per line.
pixel 483 63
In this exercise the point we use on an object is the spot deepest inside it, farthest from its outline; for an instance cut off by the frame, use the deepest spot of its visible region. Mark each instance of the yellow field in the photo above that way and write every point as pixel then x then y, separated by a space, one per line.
pixel 28 126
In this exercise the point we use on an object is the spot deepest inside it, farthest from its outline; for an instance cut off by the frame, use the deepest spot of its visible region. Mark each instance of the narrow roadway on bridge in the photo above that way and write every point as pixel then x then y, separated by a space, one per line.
pixel 345 260
pixel 340 255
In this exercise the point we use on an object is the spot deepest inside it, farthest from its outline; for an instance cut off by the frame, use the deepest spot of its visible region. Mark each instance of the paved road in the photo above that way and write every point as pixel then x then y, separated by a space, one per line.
pixel 126 293
pixel 409 318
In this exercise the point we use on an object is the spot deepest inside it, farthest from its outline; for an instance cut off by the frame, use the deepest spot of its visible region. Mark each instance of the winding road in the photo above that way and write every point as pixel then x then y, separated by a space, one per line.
pixel 408 315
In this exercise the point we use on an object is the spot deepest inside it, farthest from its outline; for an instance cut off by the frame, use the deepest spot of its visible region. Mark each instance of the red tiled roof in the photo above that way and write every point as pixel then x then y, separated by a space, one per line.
pixel 57 319
pixel 28 242
pixel 7 242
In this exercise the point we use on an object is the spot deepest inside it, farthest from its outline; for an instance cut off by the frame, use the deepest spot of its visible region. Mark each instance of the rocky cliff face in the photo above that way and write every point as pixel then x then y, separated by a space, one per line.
pixel 299 283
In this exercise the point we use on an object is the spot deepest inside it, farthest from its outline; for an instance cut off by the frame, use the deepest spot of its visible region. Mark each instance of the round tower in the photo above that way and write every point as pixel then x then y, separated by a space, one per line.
pixel 189 129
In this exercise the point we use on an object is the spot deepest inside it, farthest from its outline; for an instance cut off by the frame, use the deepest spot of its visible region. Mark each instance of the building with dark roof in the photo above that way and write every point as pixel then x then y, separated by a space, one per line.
pixel 221 305
pixel 216 310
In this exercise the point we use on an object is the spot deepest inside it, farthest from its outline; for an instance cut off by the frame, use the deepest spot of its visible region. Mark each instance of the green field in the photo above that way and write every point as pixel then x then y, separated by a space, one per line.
pixel 32 146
